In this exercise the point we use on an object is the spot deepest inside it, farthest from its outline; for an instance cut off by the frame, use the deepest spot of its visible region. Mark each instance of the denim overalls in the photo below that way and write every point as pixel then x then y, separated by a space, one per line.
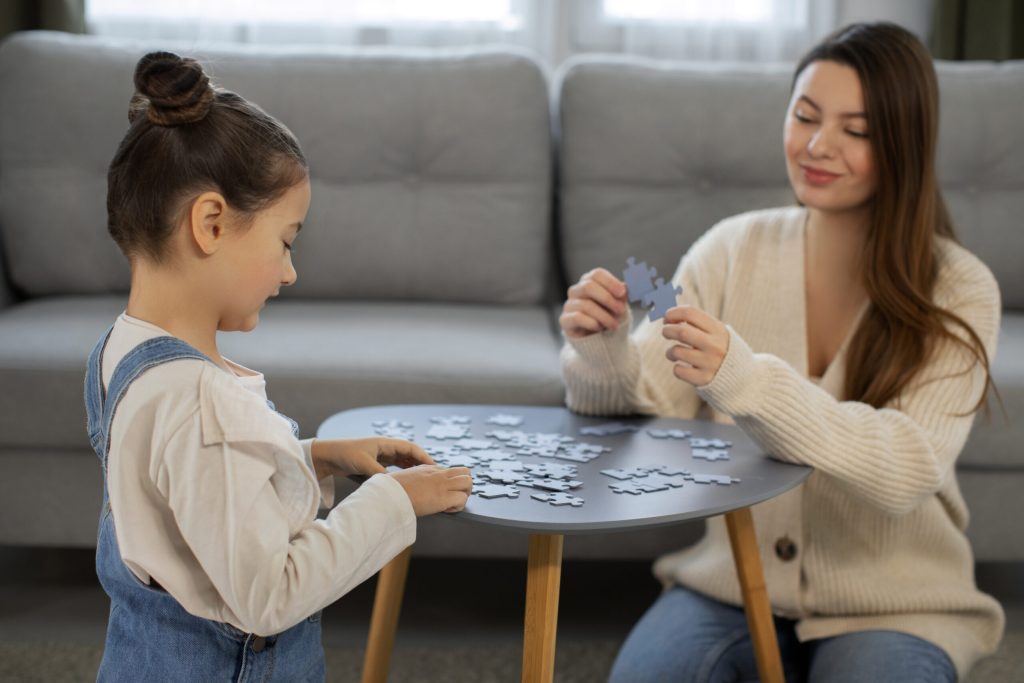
pixel 150 636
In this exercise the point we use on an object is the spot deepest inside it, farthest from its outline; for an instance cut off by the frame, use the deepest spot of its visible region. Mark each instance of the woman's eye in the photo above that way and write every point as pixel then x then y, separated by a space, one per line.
pixel 801 118
pixel 287 246
pixel 858 134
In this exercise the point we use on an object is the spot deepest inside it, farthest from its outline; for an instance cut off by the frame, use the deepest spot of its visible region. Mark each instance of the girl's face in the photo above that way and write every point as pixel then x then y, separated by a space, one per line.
pixel 260 259
pixel 828 155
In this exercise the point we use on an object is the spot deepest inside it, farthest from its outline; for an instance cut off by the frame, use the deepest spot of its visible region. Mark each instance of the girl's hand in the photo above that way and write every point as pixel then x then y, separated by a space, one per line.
pixel 596 303
pixel 434 489
pixel 369 456
pixel 702 340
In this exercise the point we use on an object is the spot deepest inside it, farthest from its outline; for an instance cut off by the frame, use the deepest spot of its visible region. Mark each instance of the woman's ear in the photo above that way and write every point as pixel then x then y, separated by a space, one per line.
pixel 208 221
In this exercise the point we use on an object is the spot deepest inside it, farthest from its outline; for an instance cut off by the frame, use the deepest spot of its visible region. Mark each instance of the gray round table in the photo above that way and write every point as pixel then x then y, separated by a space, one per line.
pixel 604 510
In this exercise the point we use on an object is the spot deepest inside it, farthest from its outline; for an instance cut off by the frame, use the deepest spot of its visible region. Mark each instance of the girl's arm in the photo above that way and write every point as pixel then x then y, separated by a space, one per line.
pixel 245 504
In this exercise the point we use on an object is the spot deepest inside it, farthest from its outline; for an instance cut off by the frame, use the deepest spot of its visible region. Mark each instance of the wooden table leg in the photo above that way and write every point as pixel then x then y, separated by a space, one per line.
pixel 543 578
pixel 387 603
pixel 755 595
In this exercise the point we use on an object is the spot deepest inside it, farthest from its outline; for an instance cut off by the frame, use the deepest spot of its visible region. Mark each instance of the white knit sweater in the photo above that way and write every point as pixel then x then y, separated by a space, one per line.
pixel 879 526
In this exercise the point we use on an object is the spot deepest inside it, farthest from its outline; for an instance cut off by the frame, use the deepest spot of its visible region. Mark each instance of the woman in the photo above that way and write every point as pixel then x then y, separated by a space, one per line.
pixel 851 333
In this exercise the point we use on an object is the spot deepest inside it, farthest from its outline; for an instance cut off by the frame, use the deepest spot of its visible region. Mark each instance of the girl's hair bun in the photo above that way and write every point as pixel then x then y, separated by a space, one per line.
pixel 171 90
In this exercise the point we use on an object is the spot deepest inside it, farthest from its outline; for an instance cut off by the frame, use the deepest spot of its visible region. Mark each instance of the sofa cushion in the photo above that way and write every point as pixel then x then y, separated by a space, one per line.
pixel 319 358
pixel 995 441
pixel 431 170
pixel 652 154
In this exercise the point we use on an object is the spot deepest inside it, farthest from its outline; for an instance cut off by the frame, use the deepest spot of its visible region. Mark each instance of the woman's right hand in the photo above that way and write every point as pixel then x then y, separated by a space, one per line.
pixel 596 303
pixel 434 489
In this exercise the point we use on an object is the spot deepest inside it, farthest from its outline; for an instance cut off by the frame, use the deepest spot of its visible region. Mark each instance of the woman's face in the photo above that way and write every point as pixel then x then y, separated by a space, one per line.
pixel 828 154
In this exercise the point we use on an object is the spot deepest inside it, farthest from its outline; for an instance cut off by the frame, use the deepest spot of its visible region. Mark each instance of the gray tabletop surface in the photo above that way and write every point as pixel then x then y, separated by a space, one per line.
pixel 761 477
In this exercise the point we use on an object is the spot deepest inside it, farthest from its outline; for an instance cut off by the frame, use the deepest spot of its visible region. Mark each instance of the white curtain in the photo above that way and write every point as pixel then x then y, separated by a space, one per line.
pixel 731 30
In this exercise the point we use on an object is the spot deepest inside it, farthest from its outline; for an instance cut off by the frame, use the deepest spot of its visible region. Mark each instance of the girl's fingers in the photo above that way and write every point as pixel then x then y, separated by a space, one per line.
pixel 611 284
pixel 578 324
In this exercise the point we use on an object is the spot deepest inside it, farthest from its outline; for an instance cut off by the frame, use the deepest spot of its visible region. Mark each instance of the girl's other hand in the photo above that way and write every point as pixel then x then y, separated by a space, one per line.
pixel 367 456
pixel 433 489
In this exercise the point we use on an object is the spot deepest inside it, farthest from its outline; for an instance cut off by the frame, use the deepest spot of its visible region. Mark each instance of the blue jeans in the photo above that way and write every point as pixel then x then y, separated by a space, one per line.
pixel 687 637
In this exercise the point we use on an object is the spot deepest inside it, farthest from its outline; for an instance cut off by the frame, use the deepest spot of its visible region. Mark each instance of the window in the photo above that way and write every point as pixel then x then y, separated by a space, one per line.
pixel 790 13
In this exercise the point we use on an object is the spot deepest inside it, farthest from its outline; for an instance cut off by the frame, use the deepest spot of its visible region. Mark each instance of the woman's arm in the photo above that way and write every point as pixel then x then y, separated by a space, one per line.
pixel 893 457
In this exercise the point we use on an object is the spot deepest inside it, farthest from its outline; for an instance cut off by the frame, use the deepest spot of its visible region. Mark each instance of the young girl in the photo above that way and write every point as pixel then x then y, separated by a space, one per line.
pixel 208 544
pixel 851 333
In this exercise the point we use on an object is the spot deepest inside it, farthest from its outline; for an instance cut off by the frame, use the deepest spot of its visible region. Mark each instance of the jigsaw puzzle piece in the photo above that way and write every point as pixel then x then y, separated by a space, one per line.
pixel 624 473
pixel 710 454
pixel 668 433
pixel 696 442
pixel 660 480
pixel 552 470
pixel 637 487
pixel 552 484
pixel 495 491
pixel 504 420
pixel 451 420
pixel 608 429
pixel 503 476
pixel 439 431
pixel 639 279
pixel 558 498
pixel 661 299
pixel 670 471
pixel 720 479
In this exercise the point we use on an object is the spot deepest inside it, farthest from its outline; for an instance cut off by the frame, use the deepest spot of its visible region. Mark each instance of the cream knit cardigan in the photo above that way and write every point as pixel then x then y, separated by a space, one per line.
pixel 879 525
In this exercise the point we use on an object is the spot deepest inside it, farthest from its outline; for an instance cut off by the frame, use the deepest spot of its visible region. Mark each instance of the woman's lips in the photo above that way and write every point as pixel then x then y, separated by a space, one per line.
pixel 816 176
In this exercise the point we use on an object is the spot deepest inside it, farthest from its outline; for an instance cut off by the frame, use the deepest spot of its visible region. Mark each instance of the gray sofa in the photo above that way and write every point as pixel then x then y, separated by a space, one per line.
pixel 454 194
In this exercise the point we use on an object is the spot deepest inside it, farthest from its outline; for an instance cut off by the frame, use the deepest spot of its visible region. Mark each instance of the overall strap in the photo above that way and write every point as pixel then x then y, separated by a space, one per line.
pixel 94 393
pixel 146 355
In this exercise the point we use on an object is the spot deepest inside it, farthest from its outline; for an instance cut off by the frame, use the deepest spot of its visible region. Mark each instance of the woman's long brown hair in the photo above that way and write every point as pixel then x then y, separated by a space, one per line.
pixel 902 325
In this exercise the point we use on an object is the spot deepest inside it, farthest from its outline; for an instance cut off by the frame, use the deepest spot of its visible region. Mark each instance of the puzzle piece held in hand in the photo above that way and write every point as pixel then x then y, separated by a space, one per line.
pixel 639 279
pixel 661 299
pixel 710 454
pixel 668 433
pixel 609 429
pixel 504 420
pixel 495 491
pixel 558 498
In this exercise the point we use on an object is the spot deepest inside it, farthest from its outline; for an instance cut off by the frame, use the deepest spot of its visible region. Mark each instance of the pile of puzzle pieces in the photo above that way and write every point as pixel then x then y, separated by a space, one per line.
pixel 497 473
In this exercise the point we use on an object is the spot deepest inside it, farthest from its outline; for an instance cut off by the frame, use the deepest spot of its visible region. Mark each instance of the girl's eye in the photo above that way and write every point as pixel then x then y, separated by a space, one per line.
pixel 287 246
pixel 858 134
pixel 801 118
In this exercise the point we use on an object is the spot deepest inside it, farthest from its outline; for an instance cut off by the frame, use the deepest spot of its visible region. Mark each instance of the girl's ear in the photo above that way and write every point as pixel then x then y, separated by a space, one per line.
pixel 208 221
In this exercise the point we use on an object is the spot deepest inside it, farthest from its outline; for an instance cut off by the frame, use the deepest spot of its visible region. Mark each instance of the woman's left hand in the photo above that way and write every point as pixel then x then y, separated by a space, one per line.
pixel 702 344
pixel 368 456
